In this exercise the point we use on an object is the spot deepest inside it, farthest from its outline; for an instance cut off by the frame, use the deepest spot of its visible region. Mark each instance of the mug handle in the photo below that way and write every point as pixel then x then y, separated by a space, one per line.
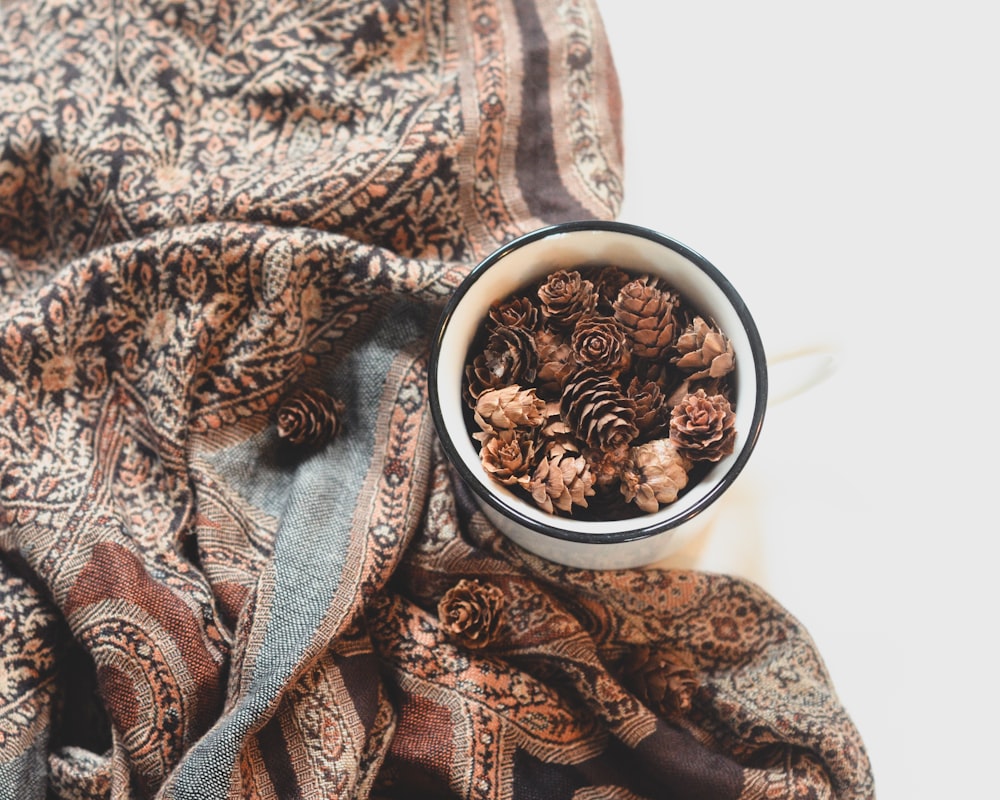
pixel 799 369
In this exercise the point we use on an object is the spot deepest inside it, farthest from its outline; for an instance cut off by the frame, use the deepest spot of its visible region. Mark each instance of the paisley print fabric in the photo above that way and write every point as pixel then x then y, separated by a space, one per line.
pixel 208 205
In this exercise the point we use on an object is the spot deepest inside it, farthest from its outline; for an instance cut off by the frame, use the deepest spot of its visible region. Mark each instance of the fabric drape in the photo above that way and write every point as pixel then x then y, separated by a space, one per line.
pixel 208 206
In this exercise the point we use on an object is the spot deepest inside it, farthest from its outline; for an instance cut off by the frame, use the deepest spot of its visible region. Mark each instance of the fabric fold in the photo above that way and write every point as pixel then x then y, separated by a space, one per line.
pixel 205 207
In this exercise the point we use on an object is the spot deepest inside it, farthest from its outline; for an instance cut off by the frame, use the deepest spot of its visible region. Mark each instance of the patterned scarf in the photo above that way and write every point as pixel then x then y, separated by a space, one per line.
pixel 233 561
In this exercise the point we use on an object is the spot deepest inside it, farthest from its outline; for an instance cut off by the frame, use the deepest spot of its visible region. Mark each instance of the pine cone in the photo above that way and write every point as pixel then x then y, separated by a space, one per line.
pixel 508 358
pixel 508 456
pixel 608 281
pixel 652 415
pixel 608 466
pixel 556 437
pixel 471 612
pixel 555 362
pixel 705 349
pixel 509 407
pixel 518 312
pixel 597 411
pixel 309 417
pixel 566 298
pixel 561 481
pixel 601 344
pixel 659 472
pixel 702 427
pixel 664 679
pixel 647 312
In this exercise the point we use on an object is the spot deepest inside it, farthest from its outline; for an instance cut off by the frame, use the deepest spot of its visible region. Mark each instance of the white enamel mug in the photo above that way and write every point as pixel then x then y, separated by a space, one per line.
pixel 594 544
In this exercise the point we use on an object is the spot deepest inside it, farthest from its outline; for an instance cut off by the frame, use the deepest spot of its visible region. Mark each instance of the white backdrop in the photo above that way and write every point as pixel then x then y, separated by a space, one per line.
pixel 839 163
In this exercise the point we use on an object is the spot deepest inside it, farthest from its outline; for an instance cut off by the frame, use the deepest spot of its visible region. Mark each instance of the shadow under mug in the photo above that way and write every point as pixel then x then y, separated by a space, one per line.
pixel 594 544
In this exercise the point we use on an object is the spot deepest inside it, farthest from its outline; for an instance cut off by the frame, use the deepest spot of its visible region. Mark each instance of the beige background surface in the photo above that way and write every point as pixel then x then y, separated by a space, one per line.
pixel 839 163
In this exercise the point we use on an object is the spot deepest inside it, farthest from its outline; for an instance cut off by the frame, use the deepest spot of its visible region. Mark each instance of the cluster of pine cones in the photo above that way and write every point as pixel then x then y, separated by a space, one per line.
pixel 599 389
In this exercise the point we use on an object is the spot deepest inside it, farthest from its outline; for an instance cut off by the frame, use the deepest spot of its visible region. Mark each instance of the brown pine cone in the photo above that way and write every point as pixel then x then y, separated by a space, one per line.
pixel 509 407
pixel 561 481
pixel 597 411
pixel 601 344
pixel 608 466
pixel 471 612
pixel 518 312
pixel 566 298
pixel 704 350
pixel 508 358
pixel 647 312
pixel 703 427
pixel 508 456
pixel 309 417
pixel 555 361
pixel 664 679
pixel 658 474
pixel 556 437
pixel 652 415
pixel 608 281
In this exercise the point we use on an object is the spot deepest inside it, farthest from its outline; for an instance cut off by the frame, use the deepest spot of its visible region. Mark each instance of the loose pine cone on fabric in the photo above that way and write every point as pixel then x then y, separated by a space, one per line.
pixel 703 427
pixel 309 417
pixel 664 679
pixel 471 612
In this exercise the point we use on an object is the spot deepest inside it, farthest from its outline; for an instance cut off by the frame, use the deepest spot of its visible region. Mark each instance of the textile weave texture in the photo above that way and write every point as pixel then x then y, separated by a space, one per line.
pixel 206 205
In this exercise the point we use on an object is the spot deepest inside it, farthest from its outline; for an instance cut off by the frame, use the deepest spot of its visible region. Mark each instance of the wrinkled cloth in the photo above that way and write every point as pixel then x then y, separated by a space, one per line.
pixel 205 206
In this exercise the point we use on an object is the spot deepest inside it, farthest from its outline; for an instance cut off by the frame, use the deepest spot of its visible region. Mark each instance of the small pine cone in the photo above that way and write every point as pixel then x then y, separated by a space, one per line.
pixel 652 414
pixel 561 481
pixel 508 456
pixel 608 466
pixel 704 351
pixel 601 344
pixel 471 612
pixel 658 475
pixel 518 312
pixel 508 358
pixel 509 407
pixel 309 417
pixel 556 437
pixel 566 298
pixel 608 281
pixel 597 411
pixel 664 679
pixel 647 312
pixel 555 361
pixel 703 427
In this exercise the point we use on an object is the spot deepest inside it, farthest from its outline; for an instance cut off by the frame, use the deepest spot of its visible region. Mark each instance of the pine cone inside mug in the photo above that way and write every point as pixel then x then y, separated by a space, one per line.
pixel 597 411
pixel 702 426
pixel 647 313
pixel 566 298
pixel 705 351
